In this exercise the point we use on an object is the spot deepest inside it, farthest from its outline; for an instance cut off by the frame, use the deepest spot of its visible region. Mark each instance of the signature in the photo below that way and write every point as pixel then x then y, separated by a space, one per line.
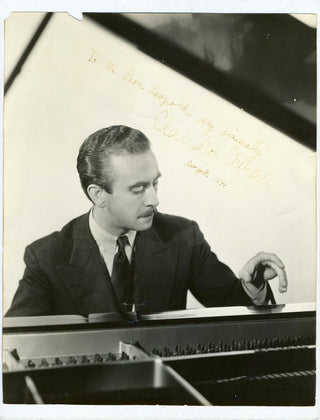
pixel 245 165
pixel 167 125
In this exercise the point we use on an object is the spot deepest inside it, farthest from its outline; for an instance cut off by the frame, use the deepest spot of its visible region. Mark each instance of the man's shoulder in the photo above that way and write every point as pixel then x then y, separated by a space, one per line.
pixel 167 225
pixel 64 236
pixel 171 220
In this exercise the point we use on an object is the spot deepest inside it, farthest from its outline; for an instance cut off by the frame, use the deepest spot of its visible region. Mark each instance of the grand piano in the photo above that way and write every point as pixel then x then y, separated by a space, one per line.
pixel 207 356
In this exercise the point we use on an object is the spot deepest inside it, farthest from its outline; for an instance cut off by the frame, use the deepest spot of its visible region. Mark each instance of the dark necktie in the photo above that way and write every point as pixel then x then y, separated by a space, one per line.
pixel 120 277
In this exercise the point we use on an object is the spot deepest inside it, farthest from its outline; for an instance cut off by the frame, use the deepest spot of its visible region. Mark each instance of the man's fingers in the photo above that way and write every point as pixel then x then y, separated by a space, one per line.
pixel 265 257
pixel 283 283
pixel 245 275
pixel 273 267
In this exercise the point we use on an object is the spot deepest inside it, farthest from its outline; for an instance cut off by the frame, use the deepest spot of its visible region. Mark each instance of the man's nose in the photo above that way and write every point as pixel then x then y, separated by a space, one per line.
pixel 151 197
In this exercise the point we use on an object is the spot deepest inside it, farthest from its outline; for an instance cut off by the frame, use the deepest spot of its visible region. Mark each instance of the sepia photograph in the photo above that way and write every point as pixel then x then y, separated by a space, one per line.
pixel 159 210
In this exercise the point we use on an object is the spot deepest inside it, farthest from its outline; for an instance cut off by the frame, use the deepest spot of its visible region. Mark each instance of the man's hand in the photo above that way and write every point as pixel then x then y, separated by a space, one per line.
pixel 272 267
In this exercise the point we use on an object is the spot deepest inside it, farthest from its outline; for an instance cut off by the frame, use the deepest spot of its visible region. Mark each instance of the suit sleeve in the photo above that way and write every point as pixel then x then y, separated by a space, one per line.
pixel 34 294
pixel 213 283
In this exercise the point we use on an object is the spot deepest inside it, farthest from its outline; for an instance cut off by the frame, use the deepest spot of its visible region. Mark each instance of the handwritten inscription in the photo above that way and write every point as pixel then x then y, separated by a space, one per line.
pixel 206 173
pixel 110 66
pixel 167 125
pixel 129 77
pixel 94 55
pixel 163 99
pixel 206 123
pixel 254 148
pixel 179 122
pixel 244 164
pixel 198 170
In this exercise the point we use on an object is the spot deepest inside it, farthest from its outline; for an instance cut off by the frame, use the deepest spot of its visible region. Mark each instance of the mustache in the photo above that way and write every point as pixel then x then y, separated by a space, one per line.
pixel 150 212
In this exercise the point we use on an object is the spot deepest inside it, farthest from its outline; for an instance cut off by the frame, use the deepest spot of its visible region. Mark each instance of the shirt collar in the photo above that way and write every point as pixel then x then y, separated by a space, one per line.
pixel 104 239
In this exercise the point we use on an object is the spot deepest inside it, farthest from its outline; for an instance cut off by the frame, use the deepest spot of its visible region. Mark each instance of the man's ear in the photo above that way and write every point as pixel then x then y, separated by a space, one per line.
pixel 97 195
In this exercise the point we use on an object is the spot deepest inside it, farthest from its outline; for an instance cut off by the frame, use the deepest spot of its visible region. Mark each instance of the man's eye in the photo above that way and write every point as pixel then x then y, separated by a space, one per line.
pixel 138 190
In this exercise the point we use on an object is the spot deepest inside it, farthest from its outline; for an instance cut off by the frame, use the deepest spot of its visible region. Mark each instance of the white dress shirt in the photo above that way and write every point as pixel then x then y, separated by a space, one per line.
pixel 107 243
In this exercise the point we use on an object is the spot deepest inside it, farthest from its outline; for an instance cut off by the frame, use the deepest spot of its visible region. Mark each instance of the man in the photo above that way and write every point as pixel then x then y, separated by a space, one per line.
pixel 123 254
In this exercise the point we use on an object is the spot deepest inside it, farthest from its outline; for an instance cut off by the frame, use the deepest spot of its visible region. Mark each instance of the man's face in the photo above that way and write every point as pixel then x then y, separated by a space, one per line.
pixel 133 200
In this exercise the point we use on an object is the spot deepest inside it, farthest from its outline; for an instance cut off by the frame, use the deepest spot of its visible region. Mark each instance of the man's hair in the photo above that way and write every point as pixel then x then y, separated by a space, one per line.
pixel 93 163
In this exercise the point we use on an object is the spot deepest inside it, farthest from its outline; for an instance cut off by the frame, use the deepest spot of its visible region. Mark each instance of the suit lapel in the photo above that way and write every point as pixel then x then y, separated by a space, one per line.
pixel 87 280
pixel 86 276
pixel 153 272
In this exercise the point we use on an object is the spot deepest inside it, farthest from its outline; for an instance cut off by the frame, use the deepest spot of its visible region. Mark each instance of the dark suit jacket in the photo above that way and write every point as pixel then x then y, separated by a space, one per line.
pixel 65 273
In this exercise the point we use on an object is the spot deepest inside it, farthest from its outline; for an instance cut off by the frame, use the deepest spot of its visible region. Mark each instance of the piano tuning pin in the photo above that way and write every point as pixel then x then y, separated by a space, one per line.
pixel 72 360
pixel 254 343
pixel 111 357
pixel 31 364
pixel 58 361
pixel 44 362
pixel 295 341
pixel 85 359
pixel 98 358
pixel 232 345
